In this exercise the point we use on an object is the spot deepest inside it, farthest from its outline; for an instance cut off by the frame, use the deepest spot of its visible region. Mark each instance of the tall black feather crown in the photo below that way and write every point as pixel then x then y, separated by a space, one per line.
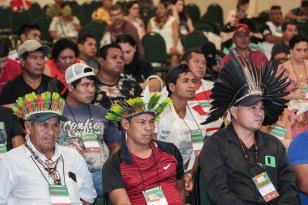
pixel 241 79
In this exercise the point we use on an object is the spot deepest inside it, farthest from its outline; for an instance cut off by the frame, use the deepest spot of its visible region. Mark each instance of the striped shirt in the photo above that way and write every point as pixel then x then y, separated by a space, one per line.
pixel 163 168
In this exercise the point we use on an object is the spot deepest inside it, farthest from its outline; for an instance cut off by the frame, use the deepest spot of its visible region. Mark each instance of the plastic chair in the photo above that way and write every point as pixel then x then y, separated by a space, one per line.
pixel 35 11
pixel 193 12
pixel 194 40
pixel 5 20
pixel 209 26
pixel 154 48
pixel 302 29
pixel 200 190
pixel 19 19
pixel 43 22
pixel 214 13
pixel 96 29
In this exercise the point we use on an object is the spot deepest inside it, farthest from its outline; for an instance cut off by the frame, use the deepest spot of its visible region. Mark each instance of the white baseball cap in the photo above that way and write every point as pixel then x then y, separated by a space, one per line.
pixel 77 71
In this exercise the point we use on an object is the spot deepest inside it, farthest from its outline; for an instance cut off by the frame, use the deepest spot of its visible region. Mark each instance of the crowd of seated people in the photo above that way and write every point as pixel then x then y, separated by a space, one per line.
pixel 229 111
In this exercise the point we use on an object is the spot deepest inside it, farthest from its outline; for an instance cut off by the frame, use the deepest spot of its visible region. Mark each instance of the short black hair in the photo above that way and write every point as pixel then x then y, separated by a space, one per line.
pixel 115 7
pixel 188 54
pixel 64 4
pixel 61 45
pixel 76 82
pixel 83 38
pixel 25 29
pixel 241 2
pixel 304 4
pixel 126 38
pixel 4 47
pixel 103 51
pixel 130 4
pixel 174 74
pixel 285 24
pixel 275 7
pixel 295 40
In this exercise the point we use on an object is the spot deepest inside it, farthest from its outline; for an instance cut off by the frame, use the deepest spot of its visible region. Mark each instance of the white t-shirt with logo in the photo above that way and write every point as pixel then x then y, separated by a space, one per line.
pixel 171 128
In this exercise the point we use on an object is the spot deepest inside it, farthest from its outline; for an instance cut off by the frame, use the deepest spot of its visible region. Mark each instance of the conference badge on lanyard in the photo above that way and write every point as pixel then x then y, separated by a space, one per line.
pixel 197 139
pixel 204 103
pixel 3 139
pixel 155 196
pixel 91 143
pixel 278 131
pixel 265 186
pixel 59 195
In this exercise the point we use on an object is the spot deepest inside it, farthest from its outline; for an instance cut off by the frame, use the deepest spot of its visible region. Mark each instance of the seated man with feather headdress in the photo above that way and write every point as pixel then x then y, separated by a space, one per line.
pixel 240 164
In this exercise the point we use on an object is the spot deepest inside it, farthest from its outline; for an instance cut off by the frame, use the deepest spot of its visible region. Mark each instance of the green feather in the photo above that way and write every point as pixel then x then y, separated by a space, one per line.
pixel 113 117
pixel 15 109
pixel 153 100
pixel 20 101
pixel 135 102
pixel 116 108
pixel 163 106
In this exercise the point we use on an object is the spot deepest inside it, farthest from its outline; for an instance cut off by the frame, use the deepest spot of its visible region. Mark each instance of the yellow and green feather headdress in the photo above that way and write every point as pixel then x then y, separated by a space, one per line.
pixel 154 103
pixel 32 104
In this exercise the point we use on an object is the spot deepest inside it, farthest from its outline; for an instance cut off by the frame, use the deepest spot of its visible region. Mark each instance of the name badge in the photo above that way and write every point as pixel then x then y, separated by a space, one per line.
pixel 265 186
pixel 205 103
pixel 3 148
pixel 278 131
pixel 197 139
pixel 59 195
pixel 306 90
pixel 91 143
pixel 155 196
pixel 3 139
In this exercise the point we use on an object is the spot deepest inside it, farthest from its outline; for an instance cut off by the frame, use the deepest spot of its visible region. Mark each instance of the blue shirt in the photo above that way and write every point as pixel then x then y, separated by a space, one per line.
pixel 298 154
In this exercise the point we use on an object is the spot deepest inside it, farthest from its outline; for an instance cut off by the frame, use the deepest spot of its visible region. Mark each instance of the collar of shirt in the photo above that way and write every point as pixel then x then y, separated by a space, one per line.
pixel 232 136
pixel 125 154
pixel 55 157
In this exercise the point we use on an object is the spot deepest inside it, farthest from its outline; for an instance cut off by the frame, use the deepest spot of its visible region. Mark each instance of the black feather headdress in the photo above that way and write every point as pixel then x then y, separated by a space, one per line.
pixel 241 83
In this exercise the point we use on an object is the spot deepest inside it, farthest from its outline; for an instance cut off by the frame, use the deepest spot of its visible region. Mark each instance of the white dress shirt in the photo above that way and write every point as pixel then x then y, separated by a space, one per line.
pixel 23 181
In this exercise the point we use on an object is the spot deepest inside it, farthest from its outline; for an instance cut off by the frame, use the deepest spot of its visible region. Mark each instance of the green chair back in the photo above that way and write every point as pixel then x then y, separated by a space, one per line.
pixel 43 22
pixel 200 190
pixel 154 48
pixel 193 12
pixel 5 20
pixel 194 40
pixel 19 19
pixel 96 29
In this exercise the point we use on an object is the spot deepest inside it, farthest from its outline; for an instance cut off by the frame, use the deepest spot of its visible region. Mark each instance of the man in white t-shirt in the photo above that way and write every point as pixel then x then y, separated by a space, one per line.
pixel 180 124
pixel 272 32
pixel 196 62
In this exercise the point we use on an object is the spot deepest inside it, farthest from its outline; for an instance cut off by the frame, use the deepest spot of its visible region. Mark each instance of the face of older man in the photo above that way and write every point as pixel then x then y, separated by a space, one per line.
pixel 43 135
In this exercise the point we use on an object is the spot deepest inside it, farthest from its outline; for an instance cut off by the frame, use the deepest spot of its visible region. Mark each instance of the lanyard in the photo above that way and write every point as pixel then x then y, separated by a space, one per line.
pixel 49 166
pixel 142 179
pixel 3 139
pixel 183 118
pixel 244 150
pixel 88 106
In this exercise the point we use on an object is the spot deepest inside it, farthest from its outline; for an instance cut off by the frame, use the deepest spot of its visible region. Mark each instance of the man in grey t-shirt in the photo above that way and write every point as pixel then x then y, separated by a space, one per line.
pixel 87 129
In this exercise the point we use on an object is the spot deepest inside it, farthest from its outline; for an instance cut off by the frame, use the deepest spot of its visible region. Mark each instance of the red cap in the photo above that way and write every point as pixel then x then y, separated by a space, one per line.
pixel 240 27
